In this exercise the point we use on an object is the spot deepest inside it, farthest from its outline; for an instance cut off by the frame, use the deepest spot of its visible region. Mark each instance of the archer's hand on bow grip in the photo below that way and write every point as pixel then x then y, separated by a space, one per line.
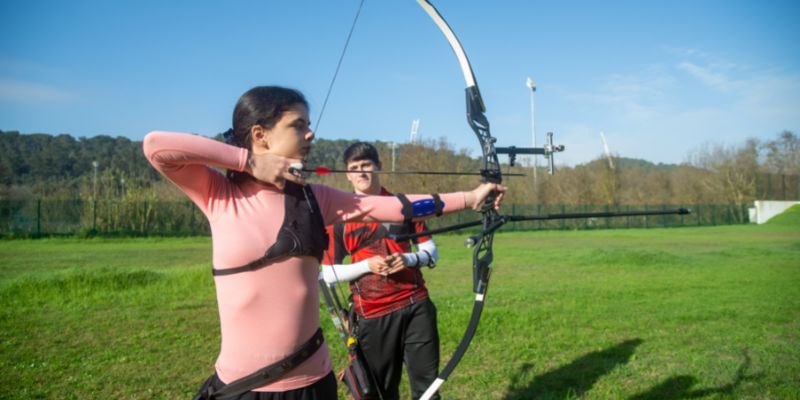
pixel 486 196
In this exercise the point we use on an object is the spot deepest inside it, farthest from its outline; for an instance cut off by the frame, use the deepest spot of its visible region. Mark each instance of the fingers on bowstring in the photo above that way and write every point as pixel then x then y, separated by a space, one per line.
pixel 298 178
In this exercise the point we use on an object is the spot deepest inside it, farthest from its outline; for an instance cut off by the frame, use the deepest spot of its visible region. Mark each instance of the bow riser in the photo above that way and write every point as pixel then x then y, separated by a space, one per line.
pixel 480 125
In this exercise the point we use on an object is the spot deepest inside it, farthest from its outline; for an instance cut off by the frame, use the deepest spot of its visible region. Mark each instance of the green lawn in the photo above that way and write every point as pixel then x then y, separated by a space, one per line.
pixel 679 313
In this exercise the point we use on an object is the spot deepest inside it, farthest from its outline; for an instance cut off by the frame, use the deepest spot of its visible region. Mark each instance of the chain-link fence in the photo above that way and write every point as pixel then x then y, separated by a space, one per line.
pixel 79 217
pixel 181 218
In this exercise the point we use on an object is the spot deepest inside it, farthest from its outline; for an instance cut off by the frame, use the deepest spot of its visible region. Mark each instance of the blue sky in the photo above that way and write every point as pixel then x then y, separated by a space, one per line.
pixel 659 78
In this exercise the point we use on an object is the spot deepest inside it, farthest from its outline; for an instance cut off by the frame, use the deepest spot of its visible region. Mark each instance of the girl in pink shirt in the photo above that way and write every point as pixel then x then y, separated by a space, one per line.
pixel 267 229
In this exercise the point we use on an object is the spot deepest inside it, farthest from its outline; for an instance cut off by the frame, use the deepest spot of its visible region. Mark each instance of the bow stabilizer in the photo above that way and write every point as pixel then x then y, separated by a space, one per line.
pixel 503 219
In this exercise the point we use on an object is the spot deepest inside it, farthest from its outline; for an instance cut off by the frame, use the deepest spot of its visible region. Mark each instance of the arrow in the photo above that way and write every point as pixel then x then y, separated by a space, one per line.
pixel 298 168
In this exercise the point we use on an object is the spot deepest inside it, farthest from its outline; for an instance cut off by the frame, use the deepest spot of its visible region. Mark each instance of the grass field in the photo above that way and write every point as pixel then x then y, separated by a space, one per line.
pixel 677 313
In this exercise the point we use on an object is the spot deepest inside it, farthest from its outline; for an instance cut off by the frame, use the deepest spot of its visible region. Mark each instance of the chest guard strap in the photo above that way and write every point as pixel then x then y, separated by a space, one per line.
pixel 301 234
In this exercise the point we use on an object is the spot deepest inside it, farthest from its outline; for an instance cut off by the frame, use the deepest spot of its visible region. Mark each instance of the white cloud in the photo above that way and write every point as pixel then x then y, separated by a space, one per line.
pixel 772 96
pixel 707 75
pixel 660 112
pixel 766 97
pixel 686 53
pixel 17 91
pixel 637 96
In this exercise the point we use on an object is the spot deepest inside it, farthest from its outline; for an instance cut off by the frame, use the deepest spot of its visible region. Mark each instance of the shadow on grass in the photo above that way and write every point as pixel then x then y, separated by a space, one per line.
pixel 574 379
pixel 680 387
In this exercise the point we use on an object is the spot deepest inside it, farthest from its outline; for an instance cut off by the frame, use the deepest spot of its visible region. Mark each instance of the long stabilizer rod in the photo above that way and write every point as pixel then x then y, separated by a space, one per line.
pixel 518 218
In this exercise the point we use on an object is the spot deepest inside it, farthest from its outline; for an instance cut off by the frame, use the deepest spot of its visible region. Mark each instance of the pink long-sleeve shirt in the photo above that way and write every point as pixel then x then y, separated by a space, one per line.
pixel 268 313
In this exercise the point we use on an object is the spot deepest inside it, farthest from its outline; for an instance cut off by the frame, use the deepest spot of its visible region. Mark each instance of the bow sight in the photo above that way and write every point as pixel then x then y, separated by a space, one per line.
pixel 548 150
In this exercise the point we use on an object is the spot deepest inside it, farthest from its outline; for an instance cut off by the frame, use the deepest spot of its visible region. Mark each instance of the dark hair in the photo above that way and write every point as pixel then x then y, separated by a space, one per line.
pixel 261 105
pixel 361 151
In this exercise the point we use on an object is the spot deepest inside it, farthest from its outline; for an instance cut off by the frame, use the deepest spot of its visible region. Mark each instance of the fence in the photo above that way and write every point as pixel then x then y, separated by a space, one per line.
pixel 82 218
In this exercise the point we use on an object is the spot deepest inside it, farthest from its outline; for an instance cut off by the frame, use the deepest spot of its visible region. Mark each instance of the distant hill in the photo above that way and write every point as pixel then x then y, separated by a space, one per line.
pixel 626 162
pixel 28 158
pixel 35 158
pixel 644 164
pixel 39 157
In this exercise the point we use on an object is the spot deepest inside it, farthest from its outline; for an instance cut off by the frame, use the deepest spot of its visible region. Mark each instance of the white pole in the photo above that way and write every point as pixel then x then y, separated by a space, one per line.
pixel 393 145
pixel 414 130
pixel 95 164
pixel 605 149
pixel 532 86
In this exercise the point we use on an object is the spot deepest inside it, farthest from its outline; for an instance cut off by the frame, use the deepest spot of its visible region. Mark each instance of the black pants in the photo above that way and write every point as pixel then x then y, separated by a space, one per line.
pixel 407 335
pixel 323 389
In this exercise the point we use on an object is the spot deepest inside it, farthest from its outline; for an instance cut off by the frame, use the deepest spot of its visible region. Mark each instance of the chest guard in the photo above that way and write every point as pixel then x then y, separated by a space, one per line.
pixel 301 234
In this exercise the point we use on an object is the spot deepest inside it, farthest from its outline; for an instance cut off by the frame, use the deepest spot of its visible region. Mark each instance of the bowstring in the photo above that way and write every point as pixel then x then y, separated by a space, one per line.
pixel 337 286
pixel 338 65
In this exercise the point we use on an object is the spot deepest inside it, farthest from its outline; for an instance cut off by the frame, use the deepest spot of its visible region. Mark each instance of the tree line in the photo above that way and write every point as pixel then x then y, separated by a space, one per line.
pixel 61 167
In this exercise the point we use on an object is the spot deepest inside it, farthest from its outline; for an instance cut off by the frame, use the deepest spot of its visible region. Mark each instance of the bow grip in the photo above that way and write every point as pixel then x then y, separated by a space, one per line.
pixel 490 176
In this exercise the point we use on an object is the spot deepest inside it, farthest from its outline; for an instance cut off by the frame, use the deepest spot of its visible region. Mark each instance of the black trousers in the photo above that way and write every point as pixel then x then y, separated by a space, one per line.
pixel 409 336
pixel 323 389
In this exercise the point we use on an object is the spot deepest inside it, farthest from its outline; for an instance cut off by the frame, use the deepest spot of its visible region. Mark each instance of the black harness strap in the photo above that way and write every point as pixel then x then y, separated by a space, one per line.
pixel 408 209
pixel 302 232
pixel 408 213
pixel 339 249
pixel 269 373
pixel 437 202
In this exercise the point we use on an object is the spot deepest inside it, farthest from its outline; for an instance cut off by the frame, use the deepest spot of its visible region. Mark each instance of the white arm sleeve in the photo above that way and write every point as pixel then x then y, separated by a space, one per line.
pixel 344 272
pixel 426 254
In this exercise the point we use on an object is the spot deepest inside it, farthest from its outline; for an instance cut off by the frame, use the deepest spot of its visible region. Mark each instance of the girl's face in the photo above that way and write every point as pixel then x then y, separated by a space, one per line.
pixel 290 137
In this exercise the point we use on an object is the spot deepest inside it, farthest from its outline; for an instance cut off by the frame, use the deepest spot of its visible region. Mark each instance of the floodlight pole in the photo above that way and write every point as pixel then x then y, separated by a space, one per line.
pixel 532 86
pixel 393 145
pixel 95 164
pixel 414 130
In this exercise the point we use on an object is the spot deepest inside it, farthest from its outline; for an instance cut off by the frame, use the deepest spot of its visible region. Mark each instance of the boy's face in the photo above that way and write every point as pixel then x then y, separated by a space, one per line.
pixel 363 182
